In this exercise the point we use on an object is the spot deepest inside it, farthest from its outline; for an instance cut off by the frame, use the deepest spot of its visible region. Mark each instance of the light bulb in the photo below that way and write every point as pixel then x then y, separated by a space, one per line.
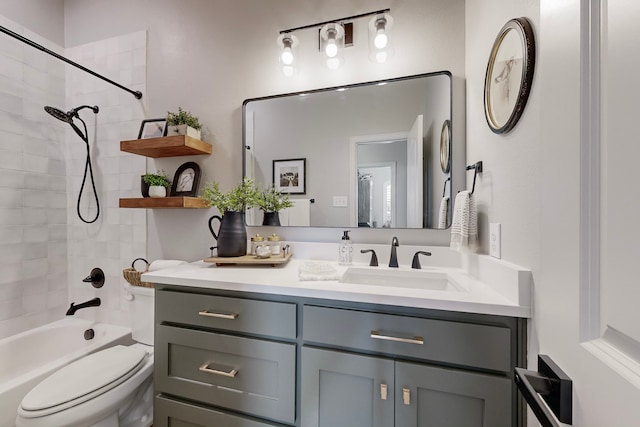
pixel 287 56
pixel 331 49
pixel 381 39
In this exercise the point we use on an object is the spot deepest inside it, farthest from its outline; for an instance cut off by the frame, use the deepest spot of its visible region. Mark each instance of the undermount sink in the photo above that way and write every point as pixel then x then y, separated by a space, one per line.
pixel 413 279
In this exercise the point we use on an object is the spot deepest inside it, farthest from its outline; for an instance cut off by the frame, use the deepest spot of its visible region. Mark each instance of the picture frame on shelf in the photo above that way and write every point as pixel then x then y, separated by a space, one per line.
pixel 152 128
pixel 509 75
pixel 186 180
pixel 289 176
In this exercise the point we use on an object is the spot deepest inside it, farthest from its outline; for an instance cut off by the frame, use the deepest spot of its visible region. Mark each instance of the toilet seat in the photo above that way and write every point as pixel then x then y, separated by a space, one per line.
pixel 83 380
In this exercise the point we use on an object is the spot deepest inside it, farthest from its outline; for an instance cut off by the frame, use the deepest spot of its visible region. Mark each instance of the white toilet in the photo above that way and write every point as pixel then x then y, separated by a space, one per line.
pixel 109 388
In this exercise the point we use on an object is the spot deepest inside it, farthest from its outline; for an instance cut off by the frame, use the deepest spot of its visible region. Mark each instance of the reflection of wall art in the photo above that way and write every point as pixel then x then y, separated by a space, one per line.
pixel 509 75
pixel 186 180
pixel 289 176
pixel 152 128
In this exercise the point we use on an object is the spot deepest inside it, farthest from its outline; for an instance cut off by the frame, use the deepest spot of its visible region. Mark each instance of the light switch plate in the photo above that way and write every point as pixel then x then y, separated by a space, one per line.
pixel 339 201
pixel 494 240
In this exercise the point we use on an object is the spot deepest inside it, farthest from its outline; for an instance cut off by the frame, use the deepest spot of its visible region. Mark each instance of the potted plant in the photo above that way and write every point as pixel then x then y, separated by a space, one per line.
pixel 155 184
pixel 183 123
pixel 232 234
pixel 272 201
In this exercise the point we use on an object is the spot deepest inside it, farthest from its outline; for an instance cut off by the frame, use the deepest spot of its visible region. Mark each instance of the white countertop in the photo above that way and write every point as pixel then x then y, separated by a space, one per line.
pixel 495 287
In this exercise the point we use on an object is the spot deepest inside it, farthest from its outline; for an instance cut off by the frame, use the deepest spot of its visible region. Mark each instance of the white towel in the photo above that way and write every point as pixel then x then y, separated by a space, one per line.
pixel 160 264
pixel 444 213
pixel 298 214
pixel 464 228
pixel 317 271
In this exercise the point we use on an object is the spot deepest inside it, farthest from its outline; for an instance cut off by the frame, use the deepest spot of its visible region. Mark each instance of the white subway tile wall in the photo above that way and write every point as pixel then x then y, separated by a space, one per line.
pixel 45 250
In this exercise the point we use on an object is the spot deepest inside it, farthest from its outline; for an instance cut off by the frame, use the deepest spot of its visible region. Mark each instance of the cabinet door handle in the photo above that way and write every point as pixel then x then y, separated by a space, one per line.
pixel 383 391
pixel 406 396
pixel 415 340
pixel 207 313
pixel 231 374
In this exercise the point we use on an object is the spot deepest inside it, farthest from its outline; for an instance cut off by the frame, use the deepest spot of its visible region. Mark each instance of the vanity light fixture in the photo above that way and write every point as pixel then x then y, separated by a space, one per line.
pixel 380 43
pixel 288 44
pixel 336 34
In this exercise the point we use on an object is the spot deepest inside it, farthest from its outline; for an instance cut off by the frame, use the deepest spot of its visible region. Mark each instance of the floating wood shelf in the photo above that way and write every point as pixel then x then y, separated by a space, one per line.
pixel 164 202
pixel 166 146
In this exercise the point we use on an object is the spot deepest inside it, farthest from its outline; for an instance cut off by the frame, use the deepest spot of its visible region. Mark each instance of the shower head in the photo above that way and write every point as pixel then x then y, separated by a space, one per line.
pixel 68 116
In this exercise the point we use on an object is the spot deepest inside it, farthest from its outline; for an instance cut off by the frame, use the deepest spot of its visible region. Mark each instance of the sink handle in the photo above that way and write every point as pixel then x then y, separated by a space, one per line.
pixel 374 257
pixel 416 262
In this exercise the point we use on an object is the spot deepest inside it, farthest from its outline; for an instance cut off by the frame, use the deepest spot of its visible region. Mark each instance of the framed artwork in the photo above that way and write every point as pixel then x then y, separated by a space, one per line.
pixel 289 176
pixel 509 75
pixel 152 128
pixel 445 147
pixel 186 180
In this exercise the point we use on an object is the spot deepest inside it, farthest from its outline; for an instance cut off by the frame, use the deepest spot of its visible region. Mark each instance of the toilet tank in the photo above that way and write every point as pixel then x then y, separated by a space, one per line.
pixel 142 309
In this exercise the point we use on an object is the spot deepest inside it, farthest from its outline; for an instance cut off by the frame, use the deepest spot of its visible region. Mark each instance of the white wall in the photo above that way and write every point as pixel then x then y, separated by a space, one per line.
pixel 43 17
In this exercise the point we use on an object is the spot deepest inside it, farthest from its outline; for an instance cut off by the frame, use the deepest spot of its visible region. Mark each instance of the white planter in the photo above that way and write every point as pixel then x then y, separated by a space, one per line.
pixel 183 130
pixel 157 191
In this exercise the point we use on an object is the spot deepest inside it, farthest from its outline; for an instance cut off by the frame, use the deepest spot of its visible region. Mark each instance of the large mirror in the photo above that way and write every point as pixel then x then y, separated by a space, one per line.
pixel 366 155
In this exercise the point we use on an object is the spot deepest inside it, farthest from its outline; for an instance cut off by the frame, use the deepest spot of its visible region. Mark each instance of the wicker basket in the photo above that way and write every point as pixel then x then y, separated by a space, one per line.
pixel 132 275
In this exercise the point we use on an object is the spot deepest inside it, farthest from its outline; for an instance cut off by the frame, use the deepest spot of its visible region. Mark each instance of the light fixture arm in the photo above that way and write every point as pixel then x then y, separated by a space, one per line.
pixel 346 18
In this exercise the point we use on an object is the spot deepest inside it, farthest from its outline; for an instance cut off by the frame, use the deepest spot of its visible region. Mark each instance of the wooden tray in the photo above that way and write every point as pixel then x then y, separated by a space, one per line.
pixel 250 260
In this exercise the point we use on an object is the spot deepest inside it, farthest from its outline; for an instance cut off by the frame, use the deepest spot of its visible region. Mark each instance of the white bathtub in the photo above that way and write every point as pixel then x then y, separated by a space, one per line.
pixel 29 357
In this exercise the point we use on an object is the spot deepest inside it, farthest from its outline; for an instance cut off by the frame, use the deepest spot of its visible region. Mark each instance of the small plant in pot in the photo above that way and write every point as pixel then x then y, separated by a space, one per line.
pixel 156 184
pixel 271 201
pixel 183 123
pixel 232 234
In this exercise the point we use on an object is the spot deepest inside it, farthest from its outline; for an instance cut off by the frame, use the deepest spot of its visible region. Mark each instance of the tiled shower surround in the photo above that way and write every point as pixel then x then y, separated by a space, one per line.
pixel 45 250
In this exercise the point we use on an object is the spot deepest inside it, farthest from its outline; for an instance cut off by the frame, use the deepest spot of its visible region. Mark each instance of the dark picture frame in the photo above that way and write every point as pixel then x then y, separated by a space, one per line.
pixel 509 75
pixel 153 128
pixel 186 180
pixel 290 176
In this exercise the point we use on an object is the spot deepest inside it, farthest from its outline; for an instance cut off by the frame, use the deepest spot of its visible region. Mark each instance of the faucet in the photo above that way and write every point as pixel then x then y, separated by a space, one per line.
pixel 416 261
pixel 91 303
pixel 393 261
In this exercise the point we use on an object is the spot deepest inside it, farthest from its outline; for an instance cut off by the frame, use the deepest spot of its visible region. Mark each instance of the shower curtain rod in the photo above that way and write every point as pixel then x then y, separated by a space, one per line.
pixel 136 93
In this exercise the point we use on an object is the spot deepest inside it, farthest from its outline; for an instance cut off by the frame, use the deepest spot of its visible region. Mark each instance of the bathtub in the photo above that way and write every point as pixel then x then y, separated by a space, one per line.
pixel 29 357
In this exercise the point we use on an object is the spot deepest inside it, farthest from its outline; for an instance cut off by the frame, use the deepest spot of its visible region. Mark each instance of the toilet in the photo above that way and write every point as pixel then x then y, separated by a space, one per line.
pixel 109 388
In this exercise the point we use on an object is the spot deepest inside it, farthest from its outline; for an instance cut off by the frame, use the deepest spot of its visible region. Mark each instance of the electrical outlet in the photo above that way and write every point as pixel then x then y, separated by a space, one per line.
pixel 494 240
pixel 339 201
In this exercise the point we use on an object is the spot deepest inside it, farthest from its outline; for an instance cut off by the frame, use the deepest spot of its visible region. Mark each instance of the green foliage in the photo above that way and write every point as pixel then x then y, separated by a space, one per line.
pixel 159 178
pixel 239 199
pixel 271 200
pixel 183 118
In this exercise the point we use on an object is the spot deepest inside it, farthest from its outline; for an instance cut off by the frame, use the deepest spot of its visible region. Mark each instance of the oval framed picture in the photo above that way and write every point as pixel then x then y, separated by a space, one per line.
pixel 509 75
pixel 445 146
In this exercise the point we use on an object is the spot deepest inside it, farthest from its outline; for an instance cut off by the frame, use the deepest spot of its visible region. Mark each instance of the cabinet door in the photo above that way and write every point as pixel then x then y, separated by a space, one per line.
pixel 427 396
pixel 346 390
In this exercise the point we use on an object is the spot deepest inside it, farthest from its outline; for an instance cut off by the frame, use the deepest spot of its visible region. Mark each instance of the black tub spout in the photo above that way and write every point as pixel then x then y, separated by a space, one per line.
pixel 91 303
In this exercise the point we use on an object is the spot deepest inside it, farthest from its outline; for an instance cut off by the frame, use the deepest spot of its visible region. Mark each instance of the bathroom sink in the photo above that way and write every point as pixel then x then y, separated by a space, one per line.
pixel 414 279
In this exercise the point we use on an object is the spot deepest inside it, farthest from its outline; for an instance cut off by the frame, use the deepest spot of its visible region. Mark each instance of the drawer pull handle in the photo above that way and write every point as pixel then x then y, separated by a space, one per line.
pixel 383 391
pixel 231 374
pixel 406 396
pixel 415 340
pixel 217 315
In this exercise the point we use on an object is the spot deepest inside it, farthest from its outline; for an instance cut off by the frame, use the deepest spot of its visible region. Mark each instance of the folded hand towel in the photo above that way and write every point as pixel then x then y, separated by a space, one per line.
pixel 159 264
pixel 464 228
pixel 317 271
pixel 444 212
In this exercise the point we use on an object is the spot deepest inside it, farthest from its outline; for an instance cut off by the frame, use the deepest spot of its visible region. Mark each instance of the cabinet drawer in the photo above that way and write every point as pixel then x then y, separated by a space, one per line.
pixel 487 347
pixel 171 413
pixel 248 375
pixel 231 314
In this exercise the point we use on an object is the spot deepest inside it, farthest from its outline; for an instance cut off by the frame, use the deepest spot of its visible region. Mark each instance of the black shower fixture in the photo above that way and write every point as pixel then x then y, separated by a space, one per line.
pixel 69 117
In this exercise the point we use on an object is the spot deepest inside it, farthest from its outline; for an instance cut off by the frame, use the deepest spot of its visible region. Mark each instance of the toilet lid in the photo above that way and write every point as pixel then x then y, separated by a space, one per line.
pixel 96 372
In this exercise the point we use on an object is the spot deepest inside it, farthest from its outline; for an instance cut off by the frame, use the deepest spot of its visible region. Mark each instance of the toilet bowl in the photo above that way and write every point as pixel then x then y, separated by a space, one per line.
pixel 109 388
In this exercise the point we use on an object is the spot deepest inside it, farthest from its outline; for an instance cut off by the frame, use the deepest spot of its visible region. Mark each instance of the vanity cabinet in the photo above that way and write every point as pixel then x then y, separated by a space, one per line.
pixel 243 359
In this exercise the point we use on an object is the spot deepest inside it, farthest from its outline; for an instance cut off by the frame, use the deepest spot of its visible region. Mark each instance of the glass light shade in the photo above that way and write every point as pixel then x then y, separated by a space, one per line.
pixel 381 57
pixel 380 40
pixel 333 63
pixel 287 43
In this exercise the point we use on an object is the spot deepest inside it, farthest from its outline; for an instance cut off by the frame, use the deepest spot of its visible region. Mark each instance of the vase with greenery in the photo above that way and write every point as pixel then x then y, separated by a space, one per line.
pixel 271 202
pixel 232 234
pixel 155 184
pixel 183 123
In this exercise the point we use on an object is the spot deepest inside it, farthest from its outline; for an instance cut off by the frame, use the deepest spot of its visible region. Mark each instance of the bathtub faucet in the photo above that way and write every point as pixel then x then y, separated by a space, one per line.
pixel 91 303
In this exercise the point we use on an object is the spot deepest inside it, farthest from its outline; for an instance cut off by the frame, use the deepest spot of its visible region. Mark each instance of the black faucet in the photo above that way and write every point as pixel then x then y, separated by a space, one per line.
pixel 393 261
pixel 374 257
pixel 416 262
pixel 91 303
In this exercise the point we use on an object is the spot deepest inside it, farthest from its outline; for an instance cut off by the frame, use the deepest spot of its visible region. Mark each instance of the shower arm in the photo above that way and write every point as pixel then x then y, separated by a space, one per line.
pixel 31 43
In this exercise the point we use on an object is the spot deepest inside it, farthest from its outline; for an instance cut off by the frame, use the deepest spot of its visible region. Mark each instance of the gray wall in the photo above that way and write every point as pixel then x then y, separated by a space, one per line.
pixel 45 18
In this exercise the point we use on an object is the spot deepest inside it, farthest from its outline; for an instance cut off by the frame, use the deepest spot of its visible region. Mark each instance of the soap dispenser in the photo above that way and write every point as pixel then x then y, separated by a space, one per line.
pixel 345 250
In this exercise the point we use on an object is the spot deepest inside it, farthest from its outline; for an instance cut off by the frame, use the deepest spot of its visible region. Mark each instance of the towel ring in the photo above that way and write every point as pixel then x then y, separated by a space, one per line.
pixel 444 189
pixel 477 167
